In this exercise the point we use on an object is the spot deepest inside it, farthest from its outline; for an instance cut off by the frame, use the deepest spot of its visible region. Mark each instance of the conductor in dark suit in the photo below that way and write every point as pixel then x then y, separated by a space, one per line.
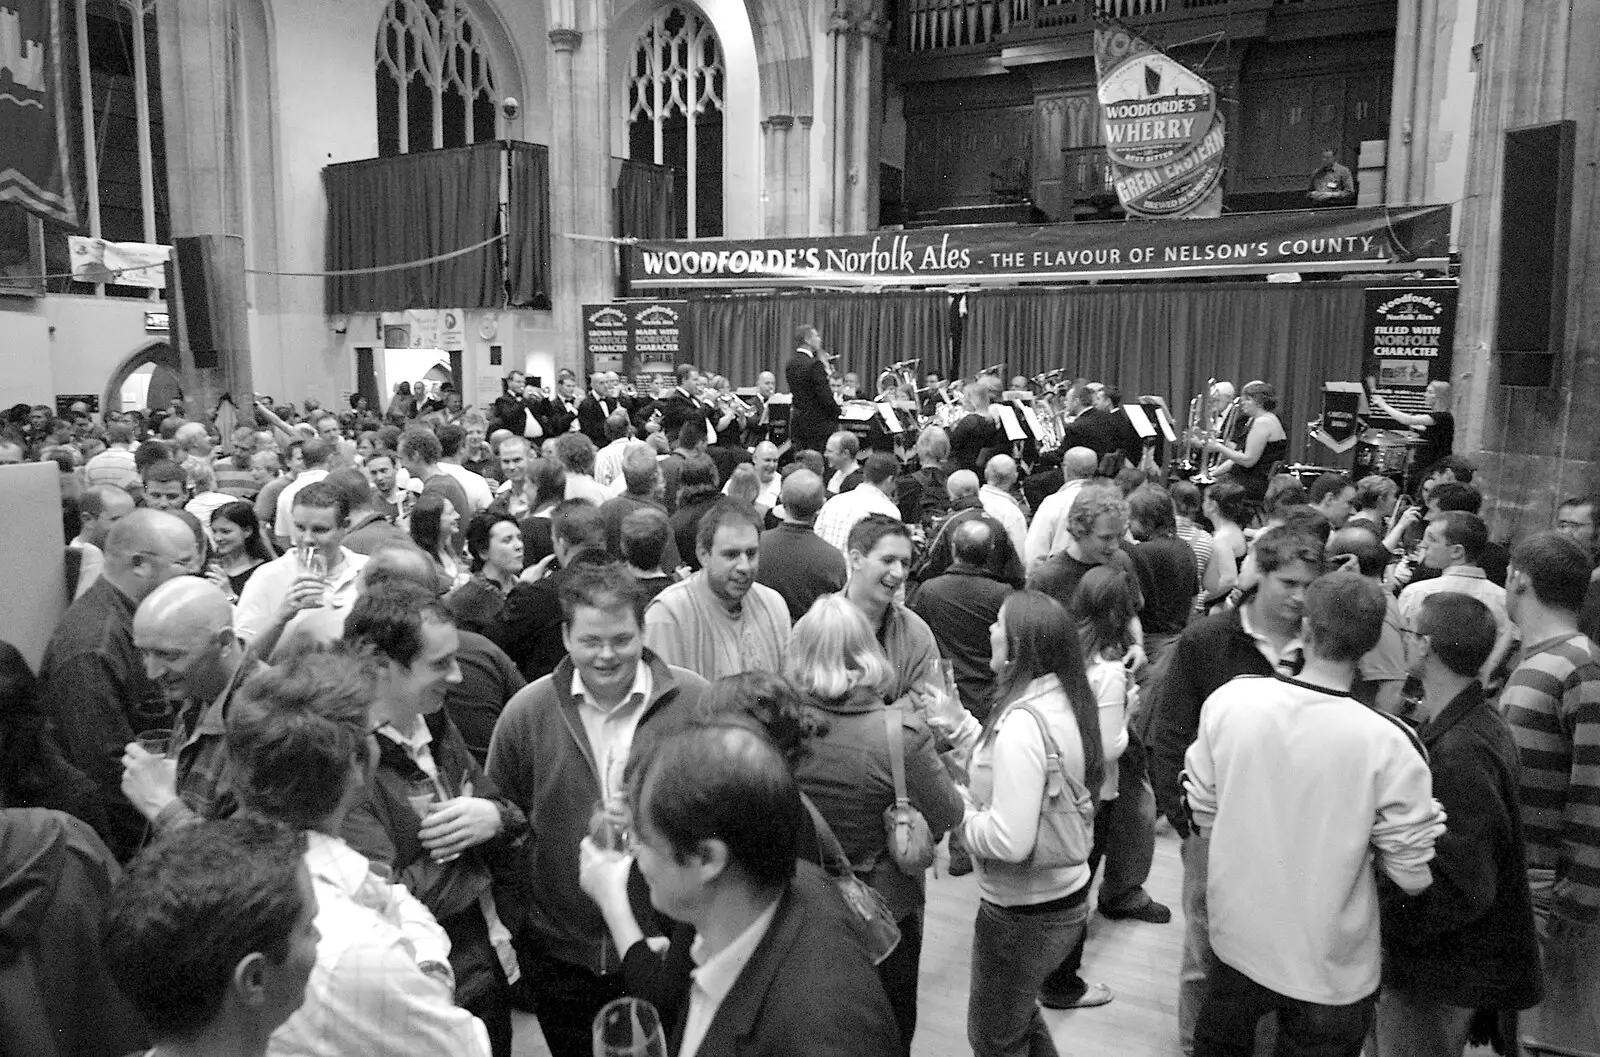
pixel 814 416
pixel 596 406
pixel 718 819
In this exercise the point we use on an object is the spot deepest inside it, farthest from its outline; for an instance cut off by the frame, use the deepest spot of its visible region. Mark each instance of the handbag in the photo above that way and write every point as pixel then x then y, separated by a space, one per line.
pixel 910 843
pixel 1066 812
pixel 875 925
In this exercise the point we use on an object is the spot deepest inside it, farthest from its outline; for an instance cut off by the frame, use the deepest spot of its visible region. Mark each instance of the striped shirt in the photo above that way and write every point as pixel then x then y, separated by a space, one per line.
pixel 1199 541
pixel 1552 703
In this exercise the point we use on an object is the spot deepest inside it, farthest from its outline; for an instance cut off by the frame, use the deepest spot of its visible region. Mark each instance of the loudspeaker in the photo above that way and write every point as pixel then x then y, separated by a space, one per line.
pixel 195 268
pixel 1535 226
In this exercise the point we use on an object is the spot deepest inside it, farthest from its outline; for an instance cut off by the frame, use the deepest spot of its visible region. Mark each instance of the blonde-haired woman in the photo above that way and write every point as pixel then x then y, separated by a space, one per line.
pixel 836 662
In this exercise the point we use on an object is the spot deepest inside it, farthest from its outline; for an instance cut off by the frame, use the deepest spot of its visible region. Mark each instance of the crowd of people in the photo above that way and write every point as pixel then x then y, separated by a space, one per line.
pixel 360 732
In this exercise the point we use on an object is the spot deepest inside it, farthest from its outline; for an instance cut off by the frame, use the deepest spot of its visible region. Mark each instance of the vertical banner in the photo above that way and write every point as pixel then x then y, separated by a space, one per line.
pixel 34 166
pixel 1408 339
pixel 643 341
pixel 1164 134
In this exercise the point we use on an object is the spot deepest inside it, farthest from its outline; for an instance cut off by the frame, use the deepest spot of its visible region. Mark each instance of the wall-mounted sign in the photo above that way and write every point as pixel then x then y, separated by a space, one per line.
pixel 1409 339
pixel 643 341
pixel 157 322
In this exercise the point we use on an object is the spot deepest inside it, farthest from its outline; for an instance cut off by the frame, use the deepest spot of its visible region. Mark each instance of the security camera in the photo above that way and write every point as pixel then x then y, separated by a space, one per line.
pixel 510 108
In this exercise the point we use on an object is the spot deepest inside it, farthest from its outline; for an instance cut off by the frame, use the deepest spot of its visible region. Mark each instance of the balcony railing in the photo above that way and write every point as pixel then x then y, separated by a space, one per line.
pixel 941 25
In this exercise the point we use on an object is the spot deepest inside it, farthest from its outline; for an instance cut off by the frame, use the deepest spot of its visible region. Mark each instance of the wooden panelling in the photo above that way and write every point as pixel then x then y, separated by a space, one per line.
pixel 958 157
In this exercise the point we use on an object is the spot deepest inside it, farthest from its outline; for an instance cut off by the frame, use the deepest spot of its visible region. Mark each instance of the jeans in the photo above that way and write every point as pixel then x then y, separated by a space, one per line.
pixel 1235 1004
pixel 1130 841
pixel 1413 1026
pixel 1569 1016
pixel 899 975
pixel 1011 954
pixel 1197 958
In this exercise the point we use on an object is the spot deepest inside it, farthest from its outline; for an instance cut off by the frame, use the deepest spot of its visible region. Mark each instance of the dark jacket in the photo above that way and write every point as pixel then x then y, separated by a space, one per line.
pixel 846 772
pixel 383 827
pixel 800 565
pixel 1468 939
pixel 960 606
pixel 529 628
pixel 814 413
pixel 678 407
pixel 974 440
pixel 90 682
pixel 685 524
pixel 592 414
pixel 542 762
pixel 809 989
pixel 1005 564
pixel 1208 654
pixel 488 681
pixel 56 998
pixel 371 532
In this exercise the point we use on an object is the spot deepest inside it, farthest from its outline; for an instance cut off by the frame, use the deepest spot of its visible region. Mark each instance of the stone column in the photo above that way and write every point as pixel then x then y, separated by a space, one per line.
pixel 786 163
pixel 580 170
pixel 856 31
pixel 198 78
pixel 1540 63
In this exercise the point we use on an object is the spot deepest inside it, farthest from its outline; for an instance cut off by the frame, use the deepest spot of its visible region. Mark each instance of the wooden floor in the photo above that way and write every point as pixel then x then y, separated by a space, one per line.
pixel 1138 961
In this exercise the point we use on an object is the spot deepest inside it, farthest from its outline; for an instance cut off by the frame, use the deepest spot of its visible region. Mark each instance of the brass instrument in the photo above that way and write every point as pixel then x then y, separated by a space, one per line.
pixel 1200 463
pixel 1222 427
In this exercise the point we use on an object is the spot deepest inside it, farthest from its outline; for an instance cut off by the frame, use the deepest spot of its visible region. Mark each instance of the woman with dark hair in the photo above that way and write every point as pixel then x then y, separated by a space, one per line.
pixel 1105 607
pixel 33 771
pixel 1029 917
pixel 835 660
pixel 240 547
pixel 494 547
pixel 1265 444
pixel 548 480
pixel 402 408
pixel 433 528
pixel 697 492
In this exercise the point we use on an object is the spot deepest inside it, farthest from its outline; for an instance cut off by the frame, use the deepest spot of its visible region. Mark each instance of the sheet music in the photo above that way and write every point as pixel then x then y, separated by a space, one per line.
pixel 890 419
pixel 1166 425
pixel 1012 424
pixel 1140 420
pixel 1031 417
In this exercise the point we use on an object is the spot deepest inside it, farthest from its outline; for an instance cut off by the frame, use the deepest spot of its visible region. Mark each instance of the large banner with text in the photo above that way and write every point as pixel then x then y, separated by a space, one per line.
pixel 1408 342
pixel 1375 238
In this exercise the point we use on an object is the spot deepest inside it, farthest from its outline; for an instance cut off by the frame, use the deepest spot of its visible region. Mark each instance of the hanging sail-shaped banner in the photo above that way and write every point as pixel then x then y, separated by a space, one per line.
pixel 1163 131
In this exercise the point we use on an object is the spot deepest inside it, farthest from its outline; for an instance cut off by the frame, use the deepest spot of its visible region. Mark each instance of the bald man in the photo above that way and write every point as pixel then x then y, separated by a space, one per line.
pixel 184 631
pixel 796 562
pixel 999 501
pixel 93 681
pixel 1048 533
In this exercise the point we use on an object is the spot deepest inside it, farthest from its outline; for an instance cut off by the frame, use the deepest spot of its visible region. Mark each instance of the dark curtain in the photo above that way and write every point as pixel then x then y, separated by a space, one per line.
pixel 1167 340
pixel 646 205
pixel 528 224
pixel 742 335
pixel 406 208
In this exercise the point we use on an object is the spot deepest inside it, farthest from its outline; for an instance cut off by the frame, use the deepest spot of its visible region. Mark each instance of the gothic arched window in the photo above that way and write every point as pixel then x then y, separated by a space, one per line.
pixel 675 97
pixel 436 87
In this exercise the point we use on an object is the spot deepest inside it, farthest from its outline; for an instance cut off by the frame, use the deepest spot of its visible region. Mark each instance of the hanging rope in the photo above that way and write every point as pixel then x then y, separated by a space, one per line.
pixel 375 269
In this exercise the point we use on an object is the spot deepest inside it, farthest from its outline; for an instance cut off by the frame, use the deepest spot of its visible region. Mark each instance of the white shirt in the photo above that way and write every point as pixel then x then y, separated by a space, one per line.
pixel 608 461
pixel 840 514
pixel 479 494
pixel 715 976
pixel 366 994
pixel 267 589
pixel 582 486
pixel 283 526
pixel 1048 533
pixel 999 504
pixel 767 498
pixel 610 732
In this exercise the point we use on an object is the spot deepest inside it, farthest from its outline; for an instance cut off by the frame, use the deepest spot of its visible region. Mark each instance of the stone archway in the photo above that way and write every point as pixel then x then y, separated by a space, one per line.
pixel 166 379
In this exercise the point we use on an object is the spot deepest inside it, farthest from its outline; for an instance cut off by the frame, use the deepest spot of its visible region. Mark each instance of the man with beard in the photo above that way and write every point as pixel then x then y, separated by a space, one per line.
pixel 720 621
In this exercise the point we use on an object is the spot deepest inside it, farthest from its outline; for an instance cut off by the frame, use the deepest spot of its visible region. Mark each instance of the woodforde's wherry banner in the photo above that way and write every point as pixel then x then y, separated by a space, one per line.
pixel 1375 238
pixel 1164 135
